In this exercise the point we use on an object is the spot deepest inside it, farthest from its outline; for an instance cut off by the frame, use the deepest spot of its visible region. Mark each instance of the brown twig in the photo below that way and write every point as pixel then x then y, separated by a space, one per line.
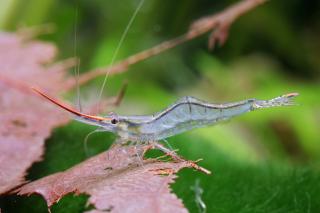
pixel 121 94
pixel 110 102
pixel 28 33
pixel 219 24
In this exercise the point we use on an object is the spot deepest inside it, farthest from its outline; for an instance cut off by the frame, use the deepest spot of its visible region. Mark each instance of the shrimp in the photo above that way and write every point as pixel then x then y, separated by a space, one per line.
pixel 186 114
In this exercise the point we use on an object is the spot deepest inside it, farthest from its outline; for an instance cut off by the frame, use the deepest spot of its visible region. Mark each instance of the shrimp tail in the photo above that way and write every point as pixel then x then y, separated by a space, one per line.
pixel 283 100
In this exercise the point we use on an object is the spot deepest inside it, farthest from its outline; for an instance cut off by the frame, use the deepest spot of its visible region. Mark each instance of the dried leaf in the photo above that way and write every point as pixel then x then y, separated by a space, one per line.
pixel 115 180
pixel 26 120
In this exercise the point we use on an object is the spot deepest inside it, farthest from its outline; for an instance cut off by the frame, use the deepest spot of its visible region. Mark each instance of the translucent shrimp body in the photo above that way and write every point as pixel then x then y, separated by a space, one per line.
pixel 185 114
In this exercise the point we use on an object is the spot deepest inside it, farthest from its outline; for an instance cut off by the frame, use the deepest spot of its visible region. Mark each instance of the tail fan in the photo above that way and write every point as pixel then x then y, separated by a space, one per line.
pixel 284 100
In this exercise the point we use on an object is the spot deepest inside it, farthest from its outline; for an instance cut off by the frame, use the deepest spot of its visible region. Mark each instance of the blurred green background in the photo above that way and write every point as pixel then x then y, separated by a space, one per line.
pixel 265 161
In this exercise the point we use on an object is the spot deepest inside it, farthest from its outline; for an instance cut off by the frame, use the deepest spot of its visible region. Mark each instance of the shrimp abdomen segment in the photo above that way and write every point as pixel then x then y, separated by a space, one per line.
pixel 189 113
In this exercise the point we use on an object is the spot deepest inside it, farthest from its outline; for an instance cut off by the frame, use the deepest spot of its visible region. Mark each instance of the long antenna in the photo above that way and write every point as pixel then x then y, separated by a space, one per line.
pixel 124 34
pixel 77 67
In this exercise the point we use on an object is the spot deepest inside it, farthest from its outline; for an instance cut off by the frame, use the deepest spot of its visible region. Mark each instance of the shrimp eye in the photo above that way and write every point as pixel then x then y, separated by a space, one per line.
pixel 114 121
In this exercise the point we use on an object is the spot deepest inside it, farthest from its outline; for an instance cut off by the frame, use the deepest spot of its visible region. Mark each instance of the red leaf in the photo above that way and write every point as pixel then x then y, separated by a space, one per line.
pixel 26 120
pixel 115 180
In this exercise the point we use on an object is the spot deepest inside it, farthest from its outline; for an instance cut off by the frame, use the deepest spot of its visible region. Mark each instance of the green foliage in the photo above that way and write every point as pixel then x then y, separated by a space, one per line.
pixel 266 161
